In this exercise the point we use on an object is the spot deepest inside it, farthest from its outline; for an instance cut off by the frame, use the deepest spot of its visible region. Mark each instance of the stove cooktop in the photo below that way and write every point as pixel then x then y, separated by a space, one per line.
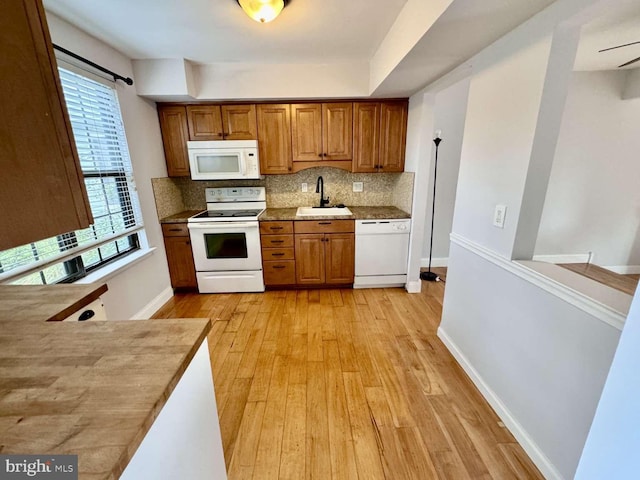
pixel 228 215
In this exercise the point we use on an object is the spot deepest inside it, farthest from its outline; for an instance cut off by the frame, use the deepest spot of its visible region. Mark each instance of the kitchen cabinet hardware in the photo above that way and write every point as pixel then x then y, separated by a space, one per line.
pixel 275 228
pixel 277 241
pixel 324 223
pixel 279 254
pixel 279 266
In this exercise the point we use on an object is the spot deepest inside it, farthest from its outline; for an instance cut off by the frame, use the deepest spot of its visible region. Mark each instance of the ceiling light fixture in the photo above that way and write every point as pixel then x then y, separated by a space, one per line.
pixel 262 11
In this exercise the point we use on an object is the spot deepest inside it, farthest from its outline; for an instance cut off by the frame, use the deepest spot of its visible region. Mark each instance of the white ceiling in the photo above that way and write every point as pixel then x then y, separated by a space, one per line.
pixel 326 32
pixel 619 26
pixel 209 31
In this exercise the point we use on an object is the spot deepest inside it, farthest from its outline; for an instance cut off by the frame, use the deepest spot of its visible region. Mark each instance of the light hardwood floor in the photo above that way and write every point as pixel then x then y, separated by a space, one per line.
pixel 624 283
pixel 346 384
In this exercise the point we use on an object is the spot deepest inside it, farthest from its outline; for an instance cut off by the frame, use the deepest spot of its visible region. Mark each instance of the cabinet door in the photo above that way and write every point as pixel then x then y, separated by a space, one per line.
pixel 337 131
pixel 205 122
pixel 366 137
pixel 42 189
pixel 393 133
pixel 173 125
pixel 306 126
pixel 180 259
pixel 339 258
pixel 274 138
pixel 239 122
pixel 310 262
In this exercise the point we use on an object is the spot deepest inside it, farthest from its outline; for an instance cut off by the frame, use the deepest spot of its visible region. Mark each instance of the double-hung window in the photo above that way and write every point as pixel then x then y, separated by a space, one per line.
pixel 104 157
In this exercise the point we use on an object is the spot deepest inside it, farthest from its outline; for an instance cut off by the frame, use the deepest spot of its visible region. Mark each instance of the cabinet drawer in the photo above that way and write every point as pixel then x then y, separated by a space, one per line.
pixel 175 230
pixel 276 228
pixel 280 272
pixel 276 241
pixel 324 226
pixel 277 254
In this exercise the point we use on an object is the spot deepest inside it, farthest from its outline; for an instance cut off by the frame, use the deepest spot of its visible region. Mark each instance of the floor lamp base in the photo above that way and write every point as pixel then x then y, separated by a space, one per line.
pixel 429 276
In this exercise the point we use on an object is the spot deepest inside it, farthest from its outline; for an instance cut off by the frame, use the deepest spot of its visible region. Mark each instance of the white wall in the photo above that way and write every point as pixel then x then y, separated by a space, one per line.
pixel 418 159
pixel 502 113
pixel 132 290
pixel 541 359
pixel 450 113
pixel 544 360
pixel 593 199
pixel 612 447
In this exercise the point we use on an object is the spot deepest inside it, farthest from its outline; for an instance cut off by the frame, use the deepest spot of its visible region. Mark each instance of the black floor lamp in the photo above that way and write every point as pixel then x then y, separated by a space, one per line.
pixel 429 275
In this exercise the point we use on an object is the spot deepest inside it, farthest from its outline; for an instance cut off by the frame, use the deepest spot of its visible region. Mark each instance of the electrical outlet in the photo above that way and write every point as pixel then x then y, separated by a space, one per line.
pixel 498 216
pixel 358 186
pixel 305 187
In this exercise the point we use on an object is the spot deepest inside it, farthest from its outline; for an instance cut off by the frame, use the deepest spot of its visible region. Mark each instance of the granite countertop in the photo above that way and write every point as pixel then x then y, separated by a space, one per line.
pixel 86 388
pixel 359 213
pixel 180 217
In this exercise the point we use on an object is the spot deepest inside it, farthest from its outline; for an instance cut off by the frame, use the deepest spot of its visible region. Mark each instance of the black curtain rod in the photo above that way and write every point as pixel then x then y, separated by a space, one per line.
pixel 115 76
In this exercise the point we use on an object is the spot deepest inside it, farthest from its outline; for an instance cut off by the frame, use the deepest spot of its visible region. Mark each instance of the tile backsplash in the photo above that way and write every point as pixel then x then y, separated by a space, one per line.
pixel 174 195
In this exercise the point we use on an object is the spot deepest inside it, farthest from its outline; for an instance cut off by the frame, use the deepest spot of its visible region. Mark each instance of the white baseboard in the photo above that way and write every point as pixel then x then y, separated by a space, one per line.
pixel 435 262
pixel 154 305
pixel 624 269
pixel 414 286
pixel 569 258
pixel 545 466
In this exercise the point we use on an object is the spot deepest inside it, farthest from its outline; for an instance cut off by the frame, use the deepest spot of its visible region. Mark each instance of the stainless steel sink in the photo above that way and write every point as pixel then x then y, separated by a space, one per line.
pixel 322 212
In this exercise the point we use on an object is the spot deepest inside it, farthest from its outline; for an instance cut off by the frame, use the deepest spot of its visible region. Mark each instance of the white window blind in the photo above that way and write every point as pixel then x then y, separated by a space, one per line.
pixel 100 138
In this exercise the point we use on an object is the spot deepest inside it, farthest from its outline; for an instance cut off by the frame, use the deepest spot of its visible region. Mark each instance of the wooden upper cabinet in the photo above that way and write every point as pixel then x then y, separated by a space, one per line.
pixel 222 122
pixel 379 131
pixel 393 135
pixel 205 122
pixel 337 131
pixel 239 122
pixel 366 137
pixel 322 131
pixel 306 128
pixel 42 186
pixel 173 125
pixel 274 138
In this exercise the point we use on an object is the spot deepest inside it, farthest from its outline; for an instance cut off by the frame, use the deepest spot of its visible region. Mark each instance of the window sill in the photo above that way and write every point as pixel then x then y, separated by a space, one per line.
pixel 112 269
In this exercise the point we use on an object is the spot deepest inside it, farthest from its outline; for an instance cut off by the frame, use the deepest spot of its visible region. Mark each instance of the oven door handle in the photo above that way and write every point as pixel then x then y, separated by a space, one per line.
pixel 221 225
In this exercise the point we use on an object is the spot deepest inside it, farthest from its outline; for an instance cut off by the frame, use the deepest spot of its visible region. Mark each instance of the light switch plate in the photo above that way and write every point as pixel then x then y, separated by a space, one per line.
pixel 358 186
pixel 498 216
pixel 305 187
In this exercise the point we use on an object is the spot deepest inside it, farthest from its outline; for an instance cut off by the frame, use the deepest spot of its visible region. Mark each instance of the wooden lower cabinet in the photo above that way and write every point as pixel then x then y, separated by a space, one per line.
pixel 278 255
pixel 325 252
pixel 179 256
pixel 308 253
pixel 310 259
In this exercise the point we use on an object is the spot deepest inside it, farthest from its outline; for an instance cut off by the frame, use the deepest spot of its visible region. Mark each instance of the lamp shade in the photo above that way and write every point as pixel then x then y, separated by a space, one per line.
pixel 262 11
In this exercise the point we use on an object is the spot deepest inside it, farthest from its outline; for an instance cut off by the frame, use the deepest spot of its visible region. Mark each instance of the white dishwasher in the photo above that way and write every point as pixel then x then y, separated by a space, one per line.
pixel 382 249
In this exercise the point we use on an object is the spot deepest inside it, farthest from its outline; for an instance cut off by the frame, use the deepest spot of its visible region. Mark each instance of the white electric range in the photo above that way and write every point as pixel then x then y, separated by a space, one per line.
pixel 225 240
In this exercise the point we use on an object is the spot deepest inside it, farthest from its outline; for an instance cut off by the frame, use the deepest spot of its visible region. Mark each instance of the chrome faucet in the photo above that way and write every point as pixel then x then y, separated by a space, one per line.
pixel 320 190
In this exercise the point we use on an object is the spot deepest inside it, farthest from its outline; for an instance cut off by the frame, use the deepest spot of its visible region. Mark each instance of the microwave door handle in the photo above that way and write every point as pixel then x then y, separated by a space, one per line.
pixel 243 164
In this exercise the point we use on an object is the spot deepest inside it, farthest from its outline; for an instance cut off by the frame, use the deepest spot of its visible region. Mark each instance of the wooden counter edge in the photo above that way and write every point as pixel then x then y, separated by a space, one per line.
pixel 130 451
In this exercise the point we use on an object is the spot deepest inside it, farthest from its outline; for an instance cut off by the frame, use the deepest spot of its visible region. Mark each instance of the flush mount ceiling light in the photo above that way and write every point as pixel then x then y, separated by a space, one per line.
pixel 262 11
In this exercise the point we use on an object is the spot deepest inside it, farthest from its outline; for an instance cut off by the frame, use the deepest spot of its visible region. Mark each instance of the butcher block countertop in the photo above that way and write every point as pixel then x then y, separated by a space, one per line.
pixel 359 213
pixel 86 388
pixel 46 302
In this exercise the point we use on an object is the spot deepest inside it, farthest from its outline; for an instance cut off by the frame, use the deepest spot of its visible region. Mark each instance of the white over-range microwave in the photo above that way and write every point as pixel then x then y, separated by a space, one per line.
pixel 224 160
